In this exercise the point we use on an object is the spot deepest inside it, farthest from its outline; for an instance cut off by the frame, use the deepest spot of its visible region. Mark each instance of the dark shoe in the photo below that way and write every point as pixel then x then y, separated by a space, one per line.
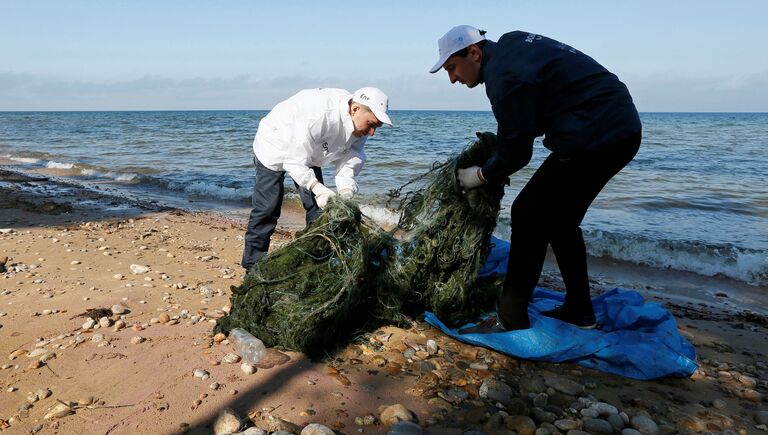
pixel 487 326
pixel 584 319
pixel 493 324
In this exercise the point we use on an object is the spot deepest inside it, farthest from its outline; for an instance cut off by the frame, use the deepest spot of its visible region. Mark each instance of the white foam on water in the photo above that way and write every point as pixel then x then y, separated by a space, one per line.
pixel 212 190
pixel 740 264
pixel 57 165
pixel 29 160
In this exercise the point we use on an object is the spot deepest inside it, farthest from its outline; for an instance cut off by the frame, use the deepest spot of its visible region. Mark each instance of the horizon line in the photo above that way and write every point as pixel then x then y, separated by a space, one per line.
pixel 392 110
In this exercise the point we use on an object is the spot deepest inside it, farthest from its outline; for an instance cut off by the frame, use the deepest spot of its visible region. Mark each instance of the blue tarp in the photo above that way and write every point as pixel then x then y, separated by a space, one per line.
pixel 636 339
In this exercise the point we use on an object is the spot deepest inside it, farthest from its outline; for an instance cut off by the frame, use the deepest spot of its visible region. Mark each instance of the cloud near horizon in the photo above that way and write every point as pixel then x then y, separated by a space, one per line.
pixel 30 92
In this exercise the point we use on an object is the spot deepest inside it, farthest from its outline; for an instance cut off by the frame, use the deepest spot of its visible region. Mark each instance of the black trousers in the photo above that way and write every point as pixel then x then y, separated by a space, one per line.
pixel 549 211
pixel 267 201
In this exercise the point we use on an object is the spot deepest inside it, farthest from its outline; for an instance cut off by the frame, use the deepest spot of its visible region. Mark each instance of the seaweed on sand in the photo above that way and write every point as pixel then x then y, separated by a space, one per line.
pixel 345 274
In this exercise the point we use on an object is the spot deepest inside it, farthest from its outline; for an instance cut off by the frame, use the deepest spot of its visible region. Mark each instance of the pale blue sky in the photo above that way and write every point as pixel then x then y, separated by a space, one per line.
pixel 158 55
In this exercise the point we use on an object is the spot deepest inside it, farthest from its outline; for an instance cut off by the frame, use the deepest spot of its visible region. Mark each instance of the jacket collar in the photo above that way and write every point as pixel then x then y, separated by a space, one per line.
pixel 488 49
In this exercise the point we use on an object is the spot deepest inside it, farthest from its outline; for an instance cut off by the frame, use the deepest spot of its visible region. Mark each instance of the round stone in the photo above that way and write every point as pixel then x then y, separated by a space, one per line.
pixel 394 414
pixel 496 391
pixel 597 426
pixel 316 429
pixel 644 425
pixel 401 428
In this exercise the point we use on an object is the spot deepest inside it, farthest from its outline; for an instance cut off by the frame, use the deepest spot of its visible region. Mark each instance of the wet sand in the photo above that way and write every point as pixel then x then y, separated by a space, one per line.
pixel 70 250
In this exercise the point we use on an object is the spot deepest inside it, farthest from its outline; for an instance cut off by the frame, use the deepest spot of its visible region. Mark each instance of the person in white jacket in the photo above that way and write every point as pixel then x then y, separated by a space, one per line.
pixel 314 127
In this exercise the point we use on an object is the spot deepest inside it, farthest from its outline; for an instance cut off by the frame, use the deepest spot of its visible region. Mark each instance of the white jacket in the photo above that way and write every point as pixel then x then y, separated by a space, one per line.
pixel 311 128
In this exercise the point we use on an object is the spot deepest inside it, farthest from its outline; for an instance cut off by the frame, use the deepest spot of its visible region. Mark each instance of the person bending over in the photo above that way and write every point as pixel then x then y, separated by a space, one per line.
pixel 538 86
pixel 314 127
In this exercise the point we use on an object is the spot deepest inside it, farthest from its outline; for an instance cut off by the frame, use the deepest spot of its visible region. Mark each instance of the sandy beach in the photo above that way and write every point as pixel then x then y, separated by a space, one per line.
pixel 150 364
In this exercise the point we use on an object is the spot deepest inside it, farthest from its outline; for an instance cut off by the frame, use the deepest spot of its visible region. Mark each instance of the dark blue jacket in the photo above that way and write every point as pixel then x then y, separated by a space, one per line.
pixel 539 86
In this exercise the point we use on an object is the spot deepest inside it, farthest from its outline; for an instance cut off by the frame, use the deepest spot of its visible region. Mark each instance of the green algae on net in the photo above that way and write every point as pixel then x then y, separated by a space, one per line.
pixel 345 275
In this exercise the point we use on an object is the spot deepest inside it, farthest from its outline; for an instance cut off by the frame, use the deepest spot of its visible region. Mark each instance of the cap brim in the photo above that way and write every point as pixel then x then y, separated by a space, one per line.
pixel 439 64
pixel 381 116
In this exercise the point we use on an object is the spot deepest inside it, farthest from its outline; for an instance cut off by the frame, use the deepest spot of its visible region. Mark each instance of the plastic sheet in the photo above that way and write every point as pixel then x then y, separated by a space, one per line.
pixel 636 339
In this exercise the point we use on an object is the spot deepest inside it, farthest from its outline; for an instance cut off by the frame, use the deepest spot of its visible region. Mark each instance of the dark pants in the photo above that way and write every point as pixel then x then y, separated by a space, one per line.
pixel 549 211
pixel 267 201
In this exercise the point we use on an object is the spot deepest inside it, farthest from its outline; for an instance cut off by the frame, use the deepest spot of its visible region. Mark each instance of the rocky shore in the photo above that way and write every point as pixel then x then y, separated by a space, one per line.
pixel 106 317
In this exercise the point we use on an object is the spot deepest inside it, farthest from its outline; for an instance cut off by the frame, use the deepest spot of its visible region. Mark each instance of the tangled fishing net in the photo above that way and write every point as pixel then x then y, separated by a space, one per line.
pixel 345 274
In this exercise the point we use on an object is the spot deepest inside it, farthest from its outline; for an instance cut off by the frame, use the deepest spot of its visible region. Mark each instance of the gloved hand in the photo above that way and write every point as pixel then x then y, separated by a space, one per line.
pixel 345 193
pixel 470 177
pixel 322 194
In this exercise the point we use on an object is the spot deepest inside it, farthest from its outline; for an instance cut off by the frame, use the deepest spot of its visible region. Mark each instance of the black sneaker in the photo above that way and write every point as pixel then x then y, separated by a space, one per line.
pixel 583 319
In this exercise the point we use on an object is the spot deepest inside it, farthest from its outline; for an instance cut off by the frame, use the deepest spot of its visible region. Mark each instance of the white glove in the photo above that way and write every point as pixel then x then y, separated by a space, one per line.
pixel 346 193
pixel 471 177
pixel 322 194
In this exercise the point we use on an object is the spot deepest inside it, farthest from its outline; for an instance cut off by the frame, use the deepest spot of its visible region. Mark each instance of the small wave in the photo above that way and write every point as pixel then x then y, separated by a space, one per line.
pixel 211 190
pixel 28 160
pixel 750 266
pixel 56 165
pixel 112 175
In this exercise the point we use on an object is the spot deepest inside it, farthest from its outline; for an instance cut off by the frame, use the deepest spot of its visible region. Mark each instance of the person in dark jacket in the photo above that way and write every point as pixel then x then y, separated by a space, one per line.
pixel 538 86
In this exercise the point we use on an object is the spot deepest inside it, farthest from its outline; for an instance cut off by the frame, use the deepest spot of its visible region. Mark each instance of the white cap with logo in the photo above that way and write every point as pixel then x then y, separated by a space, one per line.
pixel 456 39
pixel 374 99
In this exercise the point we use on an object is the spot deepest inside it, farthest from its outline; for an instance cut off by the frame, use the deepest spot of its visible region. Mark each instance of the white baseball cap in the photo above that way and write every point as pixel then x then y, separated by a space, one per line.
pixel 376 100
pixel 456 39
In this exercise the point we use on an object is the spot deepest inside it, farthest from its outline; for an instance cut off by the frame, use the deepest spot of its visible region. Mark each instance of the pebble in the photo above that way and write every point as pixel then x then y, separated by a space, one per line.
pixel 496 391
pixel 90 323
pixel 565 386
pixel 85 401
pixel 202 374
pixel 540 399
pixel 105 322
pixel 644 425
pixel 119 309
pixel 228 422
pixel 58 411
pixel 432 347
pixel 36 353
pixel 247 368
pixel 231 358
pixel 597 426
pixel 120 324
pixel 630 431
pixel 393 414
pixel 750 395
pixel 214 386
pixel 317 429
pixel 605 409
pixel 402 428
pixel 137 339
pixel 761 417
pixel 616 421
pixel 719 403
pixel 521 424
pixel 747 381
pixel 17 353
pixel 139 269
pixel 566 424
